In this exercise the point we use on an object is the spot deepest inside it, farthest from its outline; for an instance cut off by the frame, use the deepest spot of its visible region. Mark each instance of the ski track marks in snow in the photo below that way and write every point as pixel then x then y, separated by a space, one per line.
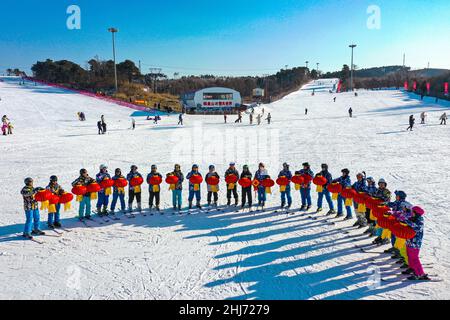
pixel 218 254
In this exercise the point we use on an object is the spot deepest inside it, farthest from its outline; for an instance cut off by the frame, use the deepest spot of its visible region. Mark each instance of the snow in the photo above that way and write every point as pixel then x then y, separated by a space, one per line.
pixel 219 255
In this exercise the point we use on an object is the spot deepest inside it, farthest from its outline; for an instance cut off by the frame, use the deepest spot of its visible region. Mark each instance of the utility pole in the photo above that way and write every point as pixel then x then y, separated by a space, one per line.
pixel 353 46
pixel 113 32
pixel 307 63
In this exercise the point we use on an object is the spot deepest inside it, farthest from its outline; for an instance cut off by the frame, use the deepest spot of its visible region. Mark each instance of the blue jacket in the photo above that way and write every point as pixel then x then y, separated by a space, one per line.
pixel 417 224
pixel 371 190
pixel 327 176
pixel 188 177
pixel 131 176
pixel 287 174
pixel 344 182
pixel 100 177
pixel 260 176
pixel 360 186
pixel 151 175
pixel 115 177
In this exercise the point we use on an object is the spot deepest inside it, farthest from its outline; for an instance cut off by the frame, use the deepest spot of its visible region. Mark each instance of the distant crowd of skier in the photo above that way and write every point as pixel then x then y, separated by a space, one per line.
pixel 372 201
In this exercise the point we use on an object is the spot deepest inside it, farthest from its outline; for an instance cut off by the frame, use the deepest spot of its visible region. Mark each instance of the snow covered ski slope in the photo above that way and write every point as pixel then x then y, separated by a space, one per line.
pixel 220 254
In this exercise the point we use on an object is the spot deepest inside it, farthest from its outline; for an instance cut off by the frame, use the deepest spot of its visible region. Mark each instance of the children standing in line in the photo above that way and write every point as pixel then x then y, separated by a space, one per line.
pixel 84 211
pixel 54 218
pixel 134 192
pixel 118 193
pixel 154 189
pixel 32 224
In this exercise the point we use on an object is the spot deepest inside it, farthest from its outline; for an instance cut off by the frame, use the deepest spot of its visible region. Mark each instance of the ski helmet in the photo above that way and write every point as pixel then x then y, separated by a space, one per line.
pixel 324 166
pixel 232 164
pixel 245 167
pixel 345 171
pixel 382 181
pixel 306 164
pixel 401 194
pixel 83 171
pixel 212 167
pixel 154 167
pixel 28 181
pixel 134 167
pixel 371 180
pixel 103 167
pixel 262 165
pixel 286 165
pixel 195 166
pixel 118 171
pixel 53 178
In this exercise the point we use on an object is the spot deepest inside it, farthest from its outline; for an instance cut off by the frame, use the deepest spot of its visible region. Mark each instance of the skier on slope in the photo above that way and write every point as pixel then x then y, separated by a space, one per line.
pixel 325 193
pixel 247 191
pixel 360 186
pixel 305 188
pixel 345 182
pixel 154 189
pixel 178 188
pixel 180 119
pixel 269 118
pixel 134 192
pixel 258 119
pixel 118 193
pixel 261 175
pixel 232 188
pixel 84 211
pixel 286 195
pixel 423 116
pixel 212 190
pixel 350 112
pixel 54 218
pixel 103 198
pixel 32 224
pixel 412 121
pixel 99 127
pixel 194 190
pixel 444 118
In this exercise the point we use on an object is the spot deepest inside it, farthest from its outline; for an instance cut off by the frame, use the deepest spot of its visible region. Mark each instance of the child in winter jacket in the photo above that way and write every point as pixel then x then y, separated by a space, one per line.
pixel 286 194
pixel 134 192
pixel 345 182
pixel 118 193
pixel 103 198
pixel 232 189
pixel 194 189
pixel 413 246
pixel 32 224
pixel 212 190
pixel 247 191
pixel 261 175
pixel 154 190
pixel 84 212
pixel 383 194
pixel 325 193
pixel 360 186
pixel 305 189
pixel 178 188
pixel 54 219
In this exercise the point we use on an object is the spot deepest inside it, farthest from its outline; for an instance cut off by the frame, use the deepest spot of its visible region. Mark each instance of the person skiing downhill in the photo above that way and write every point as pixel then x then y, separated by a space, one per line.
pixel 345 182
pixel 286 194
pixel 261 175
pixel 193 190
pixel 232 188
pixel 246 191
pixel 412 121
pixel 212 191
pixel 134 192
pixel 54 218
pixel 305 188
pixel 154 190
pixel 84 211
pixel 178 188
pixel 118 193
pixel 32 223
pixel 443 119
pixel 103 198
pixel 325 193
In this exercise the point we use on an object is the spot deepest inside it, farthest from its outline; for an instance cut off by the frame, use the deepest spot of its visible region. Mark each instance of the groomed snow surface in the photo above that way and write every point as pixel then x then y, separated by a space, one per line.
pixel 219 255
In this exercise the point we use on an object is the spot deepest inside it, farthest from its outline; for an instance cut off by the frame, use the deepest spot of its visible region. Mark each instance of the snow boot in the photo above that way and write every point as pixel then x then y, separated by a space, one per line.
pixel 190 205
pixel 57 225
pixel 419 278
pixel 302 208
pixel 408 271
pixel 229 202
pixel 308 208
pixel 27 236
pixel 390 250
pixel 51 226
pixel 139 207
pixel 199 206
pixel 38 233
pixel 331 212
pixel 319 210
pixel 348 218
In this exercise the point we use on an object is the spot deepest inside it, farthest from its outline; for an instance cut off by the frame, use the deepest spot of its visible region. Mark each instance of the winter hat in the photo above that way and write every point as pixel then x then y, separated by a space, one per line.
pixel 54 178
pixel 103 166
pixel 154 166
pixel 27 181
pixel 418 210
pixel 232 164
pixel 133 167
pixel 401 194
pixel 212 167
pixel 382 181
pixel 306 164
pixel 195 166
pixel 324 166
pixel 345 171
pixel 118 171
pixel 371 179
pixel 285 165
pixel 83 171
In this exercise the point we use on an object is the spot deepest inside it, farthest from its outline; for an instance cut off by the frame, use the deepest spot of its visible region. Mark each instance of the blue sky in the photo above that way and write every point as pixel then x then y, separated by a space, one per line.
pixel 228 37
